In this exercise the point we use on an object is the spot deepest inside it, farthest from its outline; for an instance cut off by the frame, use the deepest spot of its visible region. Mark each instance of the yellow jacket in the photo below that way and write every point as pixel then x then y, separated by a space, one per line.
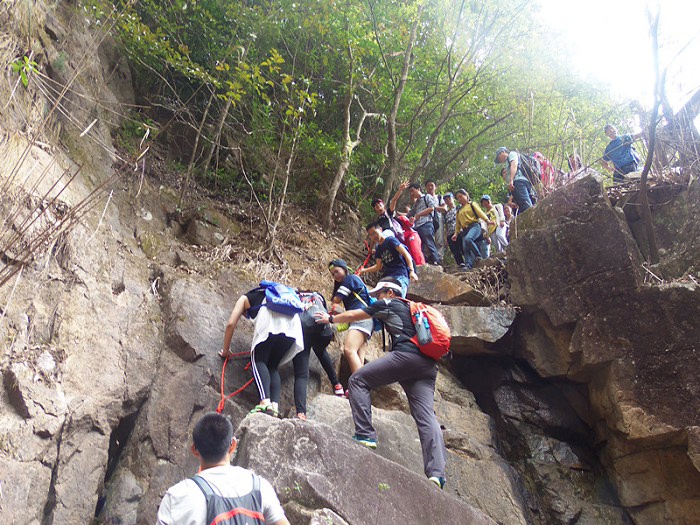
pixel 468 215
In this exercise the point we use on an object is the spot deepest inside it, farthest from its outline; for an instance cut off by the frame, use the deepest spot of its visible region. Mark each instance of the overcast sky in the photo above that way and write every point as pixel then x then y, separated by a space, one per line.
pixel 611 42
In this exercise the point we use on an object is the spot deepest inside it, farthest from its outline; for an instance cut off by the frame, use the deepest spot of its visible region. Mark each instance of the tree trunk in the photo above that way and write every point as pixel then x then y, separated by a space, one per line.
pixel 392 148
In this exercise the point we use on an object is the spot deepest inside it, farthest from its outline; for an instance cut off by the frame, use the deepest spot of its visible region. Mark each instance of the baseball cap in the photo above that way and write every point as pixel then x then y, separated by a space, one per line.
pixel 498 152
pixel 381 285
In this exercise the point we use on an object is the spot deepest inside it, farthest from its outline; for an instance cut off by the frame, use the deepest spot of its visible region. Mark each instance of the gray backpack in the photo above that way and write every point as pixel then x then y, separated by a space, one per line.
pixel 244 510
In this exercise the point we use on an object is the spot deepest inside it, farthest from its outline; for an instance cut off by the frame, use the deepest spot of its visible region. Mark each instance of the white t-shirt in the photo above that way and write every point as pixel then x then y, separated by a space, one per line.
pixel 185 504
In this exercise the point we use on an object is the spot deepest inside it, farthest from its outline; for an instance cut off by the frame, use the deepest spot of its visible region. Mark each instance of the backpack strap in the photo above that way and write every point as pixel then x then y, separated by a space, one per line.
pixel 203 485
pixel 358 296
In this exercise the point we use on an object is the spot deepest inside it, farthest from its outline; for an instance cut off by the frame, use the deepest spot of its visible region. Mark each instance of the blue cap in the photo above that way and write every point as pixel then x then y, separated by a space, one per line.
pixel 448 194
pixel 485 198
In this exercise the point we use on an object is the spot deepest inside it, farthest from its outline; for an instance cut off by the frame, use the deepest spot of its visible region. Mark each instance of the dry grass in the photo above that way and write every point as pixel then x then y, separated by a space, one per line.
pixel 491 279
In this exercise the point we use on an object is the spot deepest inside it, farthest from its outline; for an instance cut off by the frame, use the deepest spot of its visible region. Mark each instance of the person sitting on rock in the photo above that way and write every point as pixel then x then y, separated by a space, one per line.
pixel 350 291
pixel 317 338
pixel 405 364
pixel 277 338
pixel 194 501
pixel 393 260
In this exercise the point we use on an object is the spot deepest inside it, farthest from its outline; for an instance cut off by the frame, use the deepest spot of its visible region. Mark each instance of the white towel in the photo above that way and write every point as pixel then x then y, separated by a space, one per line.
pixel 268 322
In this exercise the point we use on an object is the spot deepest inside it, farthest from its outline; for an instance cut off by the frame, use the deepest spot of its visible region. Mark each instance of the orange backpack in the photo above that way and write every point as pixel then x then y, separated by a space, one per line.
pixel 432 332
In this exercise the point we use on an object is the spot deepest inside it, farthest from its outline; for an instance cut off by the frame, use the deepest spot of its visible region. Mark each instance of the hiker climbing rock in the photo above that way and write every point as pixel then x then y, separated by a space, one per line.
pixel 422 214
pixel 219 492
pixel 392 258
pixel 316 337
pixel 350 291
pixel 620 156
pixel 468 229
pixel 515 177
pixel 438 216
pixel 405 364
pixel 277 337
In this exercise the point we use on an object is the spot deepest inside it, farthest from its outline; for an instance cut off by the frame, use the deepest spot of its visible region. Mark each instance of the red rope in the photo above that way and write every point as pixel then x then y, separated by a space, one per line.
pixel 224 397
pixel 369 254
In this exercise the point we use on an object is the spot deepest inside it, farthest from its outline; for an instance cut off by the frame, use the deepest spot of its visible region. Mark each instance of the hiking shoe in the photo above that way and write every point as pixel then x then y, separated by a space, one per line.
pixel 366 441
pixel 265 409
pixel 301 416
pixel 338 390
pixel 439 481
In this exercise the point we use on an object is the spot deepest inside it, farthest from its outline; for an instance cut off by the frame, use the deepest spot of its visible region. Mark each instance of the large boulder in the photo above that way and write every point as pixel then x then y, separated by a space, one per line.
pixel 476 329
pixel 196 313
pixel 324 469
pixel 572 251
pixel 435 286
pixel 475 471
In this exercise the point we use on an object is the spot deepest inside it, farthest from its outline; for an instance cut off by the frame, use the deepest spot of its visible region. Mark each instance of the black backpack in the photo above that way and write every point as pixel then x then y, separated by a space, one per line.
pixel 435 214
pixel 243 510
pixel 531 168
pixel 313 302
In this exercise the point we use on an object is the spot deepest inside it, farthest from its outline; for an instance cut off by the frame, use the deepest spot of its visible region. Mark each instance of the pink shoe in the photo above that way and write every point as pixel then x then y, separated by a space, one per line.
pixel 338 390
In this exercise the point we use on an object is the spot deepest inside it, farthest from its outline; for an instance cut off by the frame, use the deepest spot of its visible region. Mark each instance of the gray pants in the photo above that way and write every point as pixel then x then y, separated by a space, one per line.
pixel 416 374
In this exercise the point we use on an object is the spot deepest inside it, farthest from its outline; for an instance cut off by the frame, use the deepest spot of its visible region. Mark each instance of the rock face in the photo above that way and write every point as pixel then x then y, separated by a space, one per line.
pixel 573 251
pixel 325 470
pixel 474 329
pixel 636 346
pixel 435 286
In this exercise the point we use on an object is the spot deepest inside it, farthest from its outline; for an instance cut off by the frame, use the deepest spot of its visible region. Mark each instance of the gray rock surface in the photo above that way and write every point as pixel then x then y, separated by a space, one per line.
pixel 475 329
pixel 436 286
pixel 326 470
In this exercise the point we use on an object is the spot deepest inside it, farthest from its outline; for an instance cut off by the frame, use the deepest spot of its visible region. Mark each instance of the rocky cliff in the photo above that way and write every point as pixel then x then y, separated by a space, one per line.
pixel 577 405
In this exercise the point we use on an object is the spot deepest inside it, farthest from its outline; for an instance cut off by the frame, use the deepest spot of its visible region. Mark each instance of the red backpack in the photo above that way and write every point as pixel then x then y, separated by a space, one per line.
pixel 432 332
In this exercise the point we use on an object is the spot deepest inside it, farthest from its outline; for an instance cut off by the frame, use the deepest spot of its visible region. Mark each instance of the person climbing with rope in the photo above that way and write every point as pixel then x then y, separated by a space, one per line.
pixel 277 338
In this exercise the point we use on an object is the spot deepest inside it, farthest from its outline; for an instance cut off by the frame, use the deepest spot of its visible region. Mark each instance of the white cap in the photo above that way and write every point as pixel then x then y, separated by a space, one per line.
pixel 385 284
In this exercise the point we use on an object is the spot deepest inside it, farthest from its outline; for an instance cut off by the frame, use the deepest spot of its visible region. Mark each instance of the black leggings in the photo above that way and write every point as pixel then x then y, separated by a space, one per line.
pixel 266 359
pixel 319 343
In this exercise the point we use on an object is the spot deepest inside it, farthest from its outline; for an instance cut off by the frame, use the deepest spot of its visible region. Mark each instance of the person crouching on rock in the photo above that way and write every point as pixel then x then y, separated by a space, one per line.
pixel 350 291
pixel 414 371
pixel 218 488
pixel 277 338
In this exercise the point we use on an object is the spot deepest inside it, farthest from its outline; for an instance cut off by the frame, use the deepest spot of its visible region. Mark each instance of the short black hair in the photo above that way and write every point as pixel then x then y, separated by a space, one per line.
pixel 414 186
pixel 429 181
pixel 372 225
pixel 212 436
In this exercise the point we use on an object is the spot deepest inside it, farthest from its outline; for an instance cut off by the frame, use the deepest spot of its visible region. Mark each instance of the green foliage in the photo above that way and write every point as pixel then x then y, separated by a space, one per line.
pixel 481 76
pixel 24 67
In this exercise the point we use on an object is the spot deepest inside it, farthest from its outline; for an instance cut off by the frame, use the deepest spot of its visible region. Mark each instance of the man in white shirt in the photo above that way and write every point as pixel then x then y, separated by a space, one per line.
pixel 235 494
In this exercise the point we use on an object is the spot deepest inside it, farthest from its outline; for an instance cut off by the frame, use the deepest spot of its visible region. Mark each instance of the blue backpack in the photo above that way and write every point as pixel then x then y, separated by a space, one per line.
pixel 280 298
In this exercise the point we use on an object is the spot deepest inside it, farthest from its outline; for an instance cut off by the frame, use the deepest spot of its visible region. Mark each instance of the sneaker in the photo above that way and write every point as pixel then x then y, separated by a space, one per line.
pixel 366 441
pixel 439 481
pixel 265 409
pixel 338 390
pixel 347 394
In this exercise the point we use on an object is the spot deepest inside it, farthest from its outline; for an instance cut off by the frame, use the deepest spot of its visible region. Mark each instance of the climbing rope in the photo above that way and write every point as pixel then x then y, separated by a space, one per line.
pixel 369 254
pixel 224 397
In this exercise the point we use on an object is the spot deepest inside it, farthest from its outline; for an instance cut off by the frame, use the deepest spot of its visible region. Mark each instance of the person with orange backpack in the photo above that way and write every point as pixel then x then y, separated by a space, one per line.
pixel 411 362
